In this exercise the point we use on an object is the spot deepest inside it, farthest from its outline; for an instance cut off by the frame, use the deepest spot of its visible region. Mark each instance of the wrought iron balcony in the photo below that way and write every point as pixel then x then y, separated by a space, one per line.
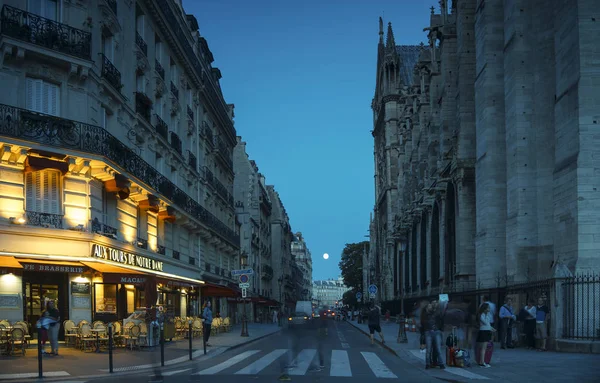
pixel 68 135
pixel 174 90
pixel 160 249
pixel 112 4
pixel 111 73
pixel 44 219
pixel 34 29
pixel 159 69
pixel 190 113
pixel 176 254
pixel 143 106
pixel 162 128
pixel 139 41
pixel 192 161
pixel 142 243
pixel 224 152
pixel 207 132
pixel 103 229
pixel 176 143
pixel 208 175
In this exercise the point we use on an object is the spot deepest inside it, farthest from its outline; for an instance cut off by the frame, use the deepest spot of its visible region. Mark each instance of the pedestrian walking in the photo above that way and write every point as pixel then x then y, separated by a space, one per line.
pixel 207 319
pixel 484 336
pixel 274 316
pixel 53 314
pixel 374 318
pixel 432 323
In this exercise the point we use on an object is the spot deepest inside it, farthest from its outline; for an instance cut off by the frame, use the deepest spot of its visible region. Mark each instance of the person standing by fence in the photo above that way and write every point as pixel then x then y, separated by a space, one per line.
pixel 542 314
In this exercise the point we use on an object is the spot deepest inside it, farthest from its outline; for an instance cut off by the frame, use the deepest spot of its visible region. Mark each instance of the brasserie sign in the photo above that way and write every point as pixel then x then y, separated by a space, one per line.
pixel 125 258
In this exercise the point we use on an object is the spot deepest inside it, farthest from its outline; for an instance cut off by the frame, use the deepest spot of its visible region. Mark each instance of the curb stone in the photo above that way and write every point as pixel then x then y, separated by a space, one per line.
pixel 218 351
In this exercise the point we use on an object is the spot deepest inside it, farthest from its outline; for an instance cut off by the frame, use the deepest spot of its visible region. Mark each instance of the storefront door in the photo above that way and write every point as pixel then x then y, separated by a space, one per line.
pixel 38 290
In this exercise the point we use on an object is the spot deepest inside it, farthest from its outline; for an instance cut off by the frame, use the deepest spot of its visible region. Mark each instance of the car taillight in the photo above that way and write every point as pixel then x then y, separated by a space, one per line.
pixel 332 314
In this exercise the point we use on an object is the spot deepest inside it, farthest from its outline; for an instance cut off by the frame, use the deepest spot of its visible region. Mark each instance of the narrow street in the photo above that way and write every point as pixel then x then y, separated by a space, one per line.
pixel 348 356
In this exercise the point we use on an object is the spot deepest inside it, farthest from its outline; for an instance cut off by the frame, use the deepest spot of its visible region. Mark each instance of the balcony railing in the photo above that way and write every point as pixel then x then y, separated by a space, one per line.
pixel 139 41
pixel 176 143
pixel 103 229
pixel 111 73
pixel 174 90
pixel 190 113
pixel 218 186
pixel 44 219
pixel 159 69
pixel 162 128
pixel 112 4
pixel 46 130
pixel 176 254
pixel 143 106
pixel 192 161
pixel 207 131
pixel 34 29
pixel 224 152
pixel 142 243
pixel 160 249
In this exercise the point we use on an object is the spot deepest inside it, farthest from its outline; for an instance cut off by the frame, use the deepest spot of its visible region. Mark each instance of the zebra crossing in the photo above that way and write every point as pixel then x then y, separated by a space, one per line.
pixel 305 363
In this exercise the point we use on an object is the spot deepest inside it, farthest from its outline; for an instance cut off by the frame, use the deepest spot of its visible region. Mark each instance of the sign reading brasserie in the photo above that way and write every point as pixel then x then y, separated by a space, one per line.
pixel 120 256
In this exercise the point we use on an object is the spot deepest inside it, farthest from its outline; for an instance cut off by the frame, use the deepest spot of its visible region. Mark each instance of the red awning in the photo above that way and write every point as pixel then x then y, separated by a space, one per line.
pixel 214 290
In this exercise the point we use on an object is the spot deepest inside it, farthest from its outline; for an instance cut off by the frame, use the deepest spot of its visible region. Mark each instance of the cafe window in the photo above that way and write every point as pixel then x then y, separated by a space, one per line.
pixel 105 298
pixel 43 191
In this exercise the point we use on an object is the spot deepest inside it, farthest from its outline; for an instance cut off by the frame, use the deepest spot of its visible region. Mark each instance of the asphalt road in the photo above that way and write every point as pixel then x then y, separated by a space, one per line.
pixel 348 357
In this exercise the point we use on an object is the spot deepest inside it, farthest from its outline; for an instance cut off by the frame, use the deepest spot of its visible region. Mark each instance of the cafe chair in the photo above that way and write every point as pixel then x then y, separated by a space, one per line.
pixel 86 336
pixel 17 340
pixel 70 332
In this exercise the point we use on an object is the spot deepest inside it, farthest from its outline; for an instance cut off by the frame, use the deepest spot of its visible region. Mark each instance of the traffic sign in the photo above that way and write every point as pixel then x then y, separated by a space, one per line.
pixel 240 272
pixel 358 295
pixel 244 293
pixel 244 285
pixel 372 289
pixel 244 278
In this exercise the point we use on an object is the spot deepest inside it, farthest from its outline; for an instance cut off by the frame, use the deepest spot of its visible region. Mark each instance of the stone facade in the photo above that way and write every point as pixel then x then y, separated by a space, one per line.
pixel 116 133
pixel 303 259
pixel 484 148
pixel 329 292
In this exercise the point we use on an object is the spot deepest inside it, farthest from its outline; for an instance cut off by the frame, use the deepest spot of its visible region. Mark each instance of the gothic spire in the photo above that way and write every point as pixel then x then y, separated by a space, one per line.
pixel 390 42
pixel 380 30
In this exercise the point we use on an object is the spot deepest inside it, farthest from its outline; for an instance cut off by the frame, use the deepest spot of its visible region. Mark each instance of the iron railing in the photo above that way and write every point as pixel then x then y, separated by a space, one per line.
pixel 103 229
pixel 176 143
pixel 159 69
pixel 176 254
pixel 208 133
pixel 35 218
pixel 112 4
pixel 139 41
pixel 34 29
pixel 142 243
pixel 162 129
pixel 143 106
pixel 218 186
pixel 581 310
pixel 224 152
pixel 160 249
pixel 47 130
pixel 111 73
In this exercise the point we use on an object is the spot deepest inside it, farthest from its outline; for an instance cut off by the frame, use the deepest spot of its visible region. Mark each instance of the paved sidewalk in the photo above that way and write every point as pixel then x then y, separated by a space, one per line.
pixel 512 365
pixel 75 363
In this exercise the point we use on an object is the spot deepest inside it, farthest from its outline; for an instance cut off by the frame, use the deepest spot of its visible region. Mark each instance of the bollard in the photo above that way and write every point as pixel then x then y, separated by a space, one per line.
pixel 110 348
pixel 190 336
pixel 401 331
pixel 40 356
pixel 162 344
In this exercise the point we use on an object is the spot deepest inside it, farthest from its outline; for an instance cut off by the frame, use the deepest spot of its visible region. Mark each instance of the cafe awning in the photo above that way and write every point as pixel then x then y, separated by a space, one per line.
pixel 109 268
pixel 10 262
pixel 214 290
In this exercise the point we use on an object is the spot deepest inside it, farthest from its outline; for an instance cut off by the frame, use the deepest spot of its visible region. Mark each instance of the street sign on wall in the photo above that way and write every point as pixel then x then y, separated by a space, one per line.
pixel 244 293
pixel 244 278
pixel 240 272
pixel 244 285
pixel 372 291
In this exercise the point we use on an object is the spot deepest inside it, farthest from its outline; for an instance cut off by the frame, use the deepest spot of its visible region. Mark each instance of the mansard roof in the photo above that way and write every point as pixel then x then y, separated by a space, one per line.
pixel 409 57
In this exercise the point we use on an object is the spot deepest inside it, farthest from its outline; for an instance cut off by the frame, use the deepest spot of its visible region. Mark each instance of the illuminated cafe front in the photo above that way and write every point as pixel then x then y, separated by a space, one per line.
pixel 107 285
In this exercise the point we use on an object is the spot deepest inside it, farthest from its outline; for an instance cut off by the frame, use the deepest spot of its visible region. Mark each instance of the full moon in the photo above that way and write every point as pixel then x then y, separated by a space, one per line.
pixel 325 256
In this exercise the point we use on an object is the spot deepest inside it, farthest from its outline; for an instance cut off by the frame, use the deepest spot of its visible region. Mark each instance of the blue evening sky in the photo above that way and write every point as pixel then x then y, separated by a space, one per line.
pixel 302 76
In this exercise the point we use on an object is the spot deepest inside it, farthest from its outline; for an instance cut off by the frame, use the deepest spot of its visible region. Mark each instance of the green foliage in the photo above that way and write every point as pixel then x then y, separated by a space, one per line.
pixel 351 264
pixel 349 298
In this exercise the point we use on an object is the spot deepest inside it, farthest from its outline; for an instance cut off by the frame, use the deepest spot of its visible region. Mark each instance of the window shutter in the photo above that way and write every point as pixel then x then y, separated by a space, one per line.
pixel 50 99
pixel 103 117
pixel 30 191
pixel 53 192
pixel 35 95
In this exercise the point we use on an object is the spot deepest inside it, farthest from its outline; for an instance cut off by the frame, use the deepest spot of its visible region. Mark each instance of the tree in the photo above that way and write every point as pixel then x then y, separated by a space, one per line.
pixel 349 298
pixel 351 264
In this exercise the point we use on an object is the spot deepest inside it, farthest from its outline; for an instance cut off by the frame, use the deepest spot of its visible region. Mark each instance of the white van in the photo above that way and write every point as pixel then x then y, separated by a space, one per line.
pixel 304 307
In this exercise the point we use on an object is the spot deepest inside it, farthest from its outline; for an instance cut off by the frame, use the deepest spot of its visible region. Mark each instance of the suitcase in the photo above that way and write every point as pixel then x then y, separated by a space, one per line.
pixel 488 354
pixel 451 347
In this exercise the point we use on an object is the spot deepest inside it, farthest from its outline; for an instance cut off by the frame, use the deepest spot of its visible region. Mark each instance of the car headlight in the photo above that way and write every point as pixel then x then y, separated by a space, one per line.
pixel 289 318
pixel 305 318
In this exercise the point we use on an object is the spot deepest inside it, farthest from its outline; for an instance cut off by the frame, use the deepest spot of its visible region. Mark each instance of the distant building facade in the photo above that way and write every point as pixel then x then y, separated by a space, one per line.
pixel 303 260
pixel 328 292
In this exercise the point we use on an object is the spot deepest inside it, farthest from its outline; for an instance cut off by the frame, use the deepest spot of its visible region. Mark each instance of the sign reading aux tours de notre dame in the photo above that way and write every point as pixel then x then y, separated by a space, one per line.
pixel 120 256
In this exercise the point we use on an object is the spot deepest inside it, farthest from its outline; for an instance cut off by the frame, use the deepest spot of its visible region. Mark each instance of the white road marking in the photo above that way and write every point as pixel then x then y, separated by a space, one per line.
pixel 377 366
pixel 345 345
pixel 259 365
pixel 302 362
pixel 340 364
pixel 169 373
pixel 228 363
pixel 453 370
pixel 27 375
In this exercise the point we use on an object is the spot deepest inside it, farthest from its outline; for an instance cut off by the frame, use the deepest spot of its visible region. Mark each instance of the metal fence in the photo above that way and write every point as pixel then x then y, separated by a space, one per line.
pixel 581 313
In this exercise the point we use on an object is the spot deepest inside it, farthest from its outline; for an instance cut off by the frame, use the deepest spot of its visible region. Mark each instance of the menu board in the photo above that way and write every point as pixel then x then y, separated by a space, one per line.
pixel 80 288
pixel 106 305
